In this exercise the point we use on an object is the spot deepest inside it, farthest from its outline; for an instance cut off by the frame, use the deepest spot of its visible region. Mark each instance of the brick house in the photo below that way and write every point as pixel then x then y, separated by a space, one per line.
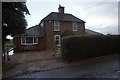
pixel 48 33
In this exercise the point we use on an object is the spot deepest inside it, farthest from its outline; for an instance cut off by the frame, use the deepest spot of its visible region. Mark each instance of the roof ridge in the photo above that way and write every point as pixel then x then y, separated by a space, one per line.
pixel 93 31
pixel 64 13
pixel 67 17
pixel 32 27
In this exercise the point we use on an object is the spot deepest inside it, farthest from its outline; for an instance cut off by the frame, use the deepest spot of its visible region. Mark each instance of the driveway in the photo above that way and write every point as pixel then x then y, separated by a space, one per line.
pixel 53 68
pixel 30 56
pixel 106 67
pixel 20 61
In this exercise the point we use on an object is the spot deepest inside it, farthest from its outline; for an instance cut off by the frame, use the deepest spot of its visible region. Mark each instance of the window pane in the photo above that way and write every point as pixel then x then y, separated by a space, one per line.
pixel 35 39
pixel 23 40
pixel 56 28
pixel 29 39
pixel 57 39
pixel 57 42
pixel 56 23
pixel 74 26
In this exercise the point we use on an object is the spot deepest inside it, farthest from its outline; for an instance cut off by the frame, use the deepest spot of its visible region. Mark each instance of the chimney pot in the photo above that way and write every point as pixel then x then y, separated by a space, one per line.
pixel 61 9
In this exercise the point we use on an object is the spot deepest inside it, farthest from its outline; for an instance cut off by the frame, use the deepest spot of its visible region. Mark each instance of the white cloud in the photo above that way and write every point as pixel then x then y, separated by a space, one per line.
pixel 102 20
pixel 79 10
pixel 101 17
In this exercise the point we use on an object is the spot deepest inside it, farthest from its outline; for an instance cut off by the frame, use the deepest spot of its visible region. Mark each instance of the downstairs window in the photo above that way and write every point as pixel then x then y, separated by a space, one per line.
pixel 29 40
pixel 57 39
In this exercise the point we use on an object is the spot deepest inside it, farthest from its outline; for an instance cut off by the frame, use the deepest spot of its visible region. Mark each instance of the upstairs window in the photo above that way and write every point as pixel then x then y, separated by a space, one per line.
pixel 57 39
pixel 29 40
pixel 56 26
pixel 74 26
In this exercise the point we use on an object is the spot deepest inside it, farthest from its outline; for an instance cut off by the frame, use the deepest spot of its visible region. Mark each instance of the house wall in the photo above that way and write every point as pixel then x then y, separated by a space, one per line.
pixel 17 43
pixel 41 44
pixel 21 48
pixel 68 26
pixel 49 31
pixel 47 43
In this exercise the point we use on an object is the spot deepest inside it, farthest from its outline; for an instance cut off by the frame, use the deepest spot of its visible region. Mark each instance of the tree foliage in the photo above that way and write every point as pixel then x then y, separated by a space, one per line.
pixel 13 18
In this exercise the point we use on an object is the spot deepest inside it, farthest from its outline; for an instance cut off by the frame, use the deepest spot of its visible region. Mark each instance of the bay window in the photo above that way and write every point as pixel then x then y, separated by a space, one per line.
pixel 29 40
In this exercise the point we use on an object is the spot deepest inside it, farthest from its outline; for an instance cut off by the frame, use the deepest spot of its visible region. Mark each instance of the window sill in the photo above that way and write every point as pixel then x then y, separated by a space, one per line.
pixel 56 30
pixel 30 44
pixel 74 30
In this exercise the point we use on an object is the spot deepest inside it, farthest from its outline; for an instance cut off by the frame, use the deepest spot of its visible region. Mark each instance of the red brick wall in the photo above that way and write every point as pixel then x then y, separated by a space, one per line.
pixel 68 26
pixel 17 43
pixel 49 31
pixel 48 41
pixel 41 44
pixel 20 48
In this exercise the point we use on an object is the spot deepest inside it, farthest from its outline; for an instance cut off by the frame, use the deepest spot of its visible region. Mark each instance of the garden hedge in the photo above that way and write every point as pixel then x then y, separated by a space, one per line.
pixel 81 47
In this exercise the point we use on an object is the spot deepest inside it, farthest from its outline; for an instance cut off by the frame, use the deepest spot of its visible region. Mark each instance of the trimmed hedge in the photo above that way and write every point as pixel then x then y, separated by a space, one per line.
pixel 81 47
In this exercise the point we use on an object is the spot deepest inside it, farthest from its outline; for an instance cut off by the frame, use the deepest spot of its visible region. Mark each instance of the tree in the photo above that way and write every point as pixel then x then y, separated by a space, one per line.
pixel 13 19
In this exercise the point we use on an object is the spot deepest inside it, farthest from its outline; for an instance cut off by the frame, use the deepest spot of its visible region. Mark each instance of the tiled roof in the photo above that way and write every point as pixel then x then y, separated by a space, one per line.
pixel 91 32
pixel 62 17
pixel 35 31
pixel 38 31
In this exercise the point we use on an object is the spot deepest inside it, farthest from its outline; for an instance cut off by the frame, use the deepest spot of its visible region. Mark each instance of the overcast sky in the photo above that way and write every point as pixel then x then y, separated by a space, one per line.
pixel 99 16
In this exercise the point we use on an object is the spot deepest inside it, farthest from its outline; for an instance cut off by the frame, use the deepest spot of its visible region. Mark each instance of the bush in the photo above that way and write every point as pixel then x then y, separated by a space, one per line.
pixel 9 46
pixel 81 47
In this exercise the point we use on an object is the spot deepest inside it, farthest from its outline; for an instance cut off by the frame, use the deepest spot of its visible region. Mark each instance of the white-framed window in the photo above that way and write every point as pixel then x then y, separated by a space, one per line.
pixel 29 40
pixel 57 39
pixel 74 26
pixel 56 25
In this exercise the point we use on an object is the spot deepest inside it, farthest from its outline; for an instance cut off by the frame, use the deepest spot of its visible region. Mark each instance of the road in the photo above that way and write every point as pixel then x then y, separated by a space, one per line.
pixel 99 69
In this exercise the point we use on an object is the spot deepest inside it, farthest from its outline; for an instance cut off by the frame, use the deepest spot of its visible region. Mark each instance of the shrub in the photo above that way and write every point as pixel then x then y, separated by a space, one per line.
pixel 9 46
pixel 81 47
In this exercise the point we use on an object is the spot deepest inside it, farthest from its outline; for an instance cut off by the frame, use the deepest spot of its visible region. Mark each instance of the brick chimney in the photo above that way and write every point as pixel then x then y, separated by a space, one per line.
pixel 61 9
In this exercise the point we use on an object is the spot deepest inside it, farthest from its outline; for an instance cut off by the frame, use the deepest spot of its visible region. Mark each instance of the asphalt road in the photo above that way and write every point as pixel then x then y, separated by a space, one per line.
pixel 99 69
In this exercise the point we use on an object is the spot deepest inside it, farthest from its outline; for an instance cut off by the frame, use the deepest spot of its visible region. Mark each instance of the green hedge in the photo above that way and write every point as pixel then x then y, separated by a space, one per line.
pixel 9 46
pixel 81 47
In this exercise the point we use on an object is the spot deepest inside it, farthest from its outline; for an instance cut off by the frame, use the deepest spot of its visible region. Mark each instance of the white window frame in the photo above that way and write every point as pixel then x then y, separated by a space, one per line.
pixel 74 26
pixel 57 24
pixel 29 43
pixel 58 39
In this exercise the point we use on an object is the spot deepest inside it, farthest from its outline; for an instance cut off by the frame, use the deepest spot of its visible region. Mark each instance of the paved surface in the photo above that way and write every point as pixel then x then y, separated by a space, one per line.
pixel 23 62
pixel 101 67
pixel 30 56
